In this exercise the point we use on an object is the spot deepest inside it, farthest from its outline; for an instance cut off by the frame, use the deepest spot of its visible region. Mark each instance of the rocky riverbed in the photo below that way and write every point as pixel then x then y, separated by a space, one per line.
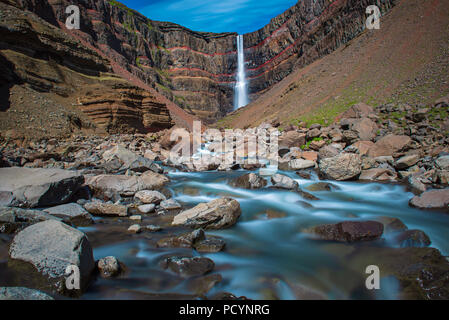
pixel 368 190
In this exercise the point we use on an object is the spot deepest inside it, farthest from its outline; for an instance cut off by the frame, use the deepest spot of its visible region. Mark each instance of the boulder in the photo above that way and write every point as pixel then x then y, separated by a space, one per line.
pixel 108 267
pixel 135 228
pixel 129 160
pixel 50 247
pixel 71 213
pixel 389 145
pixel 150 196
pixel 412 238
pixel 146 208
pixel 98 208
pixel 249 181
pixel 35 187
pixel 365 128
pixel 407 161
pixel 361 147
pixel 283 182
pixel 110 186
pixel 345 166
pixel 13 219
pixel 358 110
pixel 391 224
pixel 292 139
pixel 433 199
pixel 322 186
pixel 187 240
pixel 378 174
pixel 350 231
pixel 187 266
pixel 170 204
pixel 443 163
pixel 328 152
pixel 217 214
pixel 19 293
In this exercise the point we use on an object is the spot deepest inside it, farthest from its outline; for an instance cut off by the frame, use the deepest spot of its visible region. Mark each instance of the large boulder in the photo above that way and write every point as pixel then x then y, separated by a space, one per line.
pixel 345 166
pixel 292 139
pixel 249 181
pixel 407 161
pixel 433 199
pixel 13 219
pixel 389 145
pixel 129 160
pixel 217 214
pixel 365 128
pixel 111 186
pixel 35 187
pixel 52 246
pixel 71 213
pixel 349 231
pixel 20 293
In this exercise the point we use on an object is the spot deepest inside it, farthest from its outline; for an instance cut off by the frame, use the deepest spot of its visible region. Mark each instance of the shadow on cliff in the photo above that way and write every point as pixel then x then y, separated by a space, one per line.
pixel 8 79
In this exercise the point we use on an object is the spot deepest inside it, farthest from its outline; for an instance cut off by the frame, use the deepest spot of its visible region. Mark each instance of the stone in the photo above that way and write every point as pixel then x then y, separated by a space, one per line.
pixel 187 266
pixel 345 166
pixel 313 133
pixel 36 187
pixel 443 163
pixel 317 144
pixel 415 183
pixel 328 152
pixel 110 186
pixel 389 145
pixel 358 110
pixel 391 224
pixel 378 174
pixel 412 238
pixel 148 196
pixel 108 267
pixel 292 139
pixel 322 186
pixel 309 155
pixel 350 231
pixel 186 240
pixel 170 204
pixel 249 181
pixel 407 161
pixel 13 219
pixel 98 208
pixel 210 245
pixel 153 228
pixel 365 128
pixel 433 199
pixel 51 246
pixel 217 214
pixel 71 213
pixel 146 208
pixel 20 293
pixel 283 182
pixel 362 147
pixel 135 228
pixel 135 218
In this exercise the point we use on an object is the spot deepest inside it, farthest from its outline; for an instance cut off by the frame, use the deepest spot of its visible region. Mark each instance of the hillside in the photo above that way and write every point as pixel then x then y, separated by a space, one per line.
pixel 406 64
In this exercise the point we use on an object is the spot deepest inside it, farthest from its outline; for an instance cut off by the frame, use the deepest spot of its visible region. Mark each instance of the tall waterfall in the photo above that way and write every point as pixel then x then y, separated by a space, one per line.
pixel 241 86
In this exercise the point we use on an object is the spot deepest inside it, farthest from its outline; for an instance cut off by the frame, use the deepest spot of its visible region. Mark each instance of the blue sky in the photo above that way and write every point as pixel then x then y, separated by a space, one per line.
pixel 240 16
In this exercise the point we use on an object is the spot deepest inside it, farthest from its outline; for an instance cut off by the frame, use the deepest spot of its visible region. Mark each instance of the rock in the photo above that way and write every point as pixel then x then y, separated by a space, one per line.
pixel 412 238
pixel 407 161
pixel 13 219
pixel 313 133
pixel 389 145
pixel 292 139
pixel 328 152
pixel 35 187
pixel 322 186
pixel 71 213
pixel 249 181
pixel 365 128
pixel 186 240
pixel 362 147
pixel 317 144
pixel 153 228
pixel 300 164
pixel 151 155
pixel 443 162
pixel 392 224
pixel 51 246
pixel 415 184
pixel 135 218
pixel 146 208
pixel 309 155
pixel 217 214
pixel 189 267
pixel 127 159
pixel 210 245
pixel 108 267
pixel 170 204
pixel 147 196
pixel 433 199
pixel 358 110
pixel 283 182
pixel 98 208
pixel 111 186
pixel 350 231
pixel 135 228
pixel 378 174
pixel 343 167
pixel 19 293
pixel 442 177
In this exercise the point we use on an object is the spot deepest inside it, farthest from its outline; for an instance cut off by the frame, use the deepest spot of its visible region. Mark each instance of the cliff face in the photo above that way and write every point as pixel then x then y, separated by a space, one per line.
pixel 196 70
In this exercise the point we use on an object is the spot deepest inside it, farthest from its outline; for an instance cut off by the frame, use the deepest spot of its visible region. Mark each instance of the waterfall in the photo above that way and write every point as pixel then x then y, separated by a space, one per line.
pixel 241 86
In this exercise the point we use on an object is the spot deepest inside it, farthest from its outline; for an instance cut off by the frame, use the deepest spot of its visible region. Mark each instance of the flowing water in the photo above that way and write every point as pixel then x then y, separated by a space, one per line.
pixel 241 86
pixel 267 256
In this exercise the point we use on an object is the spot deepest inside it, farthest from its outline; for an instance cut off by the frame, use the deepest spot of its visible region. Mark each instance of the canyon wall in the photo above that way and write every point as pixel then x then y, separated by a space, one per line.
pixel 196 70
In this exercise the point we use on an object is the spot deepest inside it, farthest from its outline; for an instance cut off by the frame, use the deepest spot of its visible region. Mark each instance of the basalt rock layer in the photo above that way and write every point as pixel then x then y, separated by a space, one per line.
pixel 196 70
